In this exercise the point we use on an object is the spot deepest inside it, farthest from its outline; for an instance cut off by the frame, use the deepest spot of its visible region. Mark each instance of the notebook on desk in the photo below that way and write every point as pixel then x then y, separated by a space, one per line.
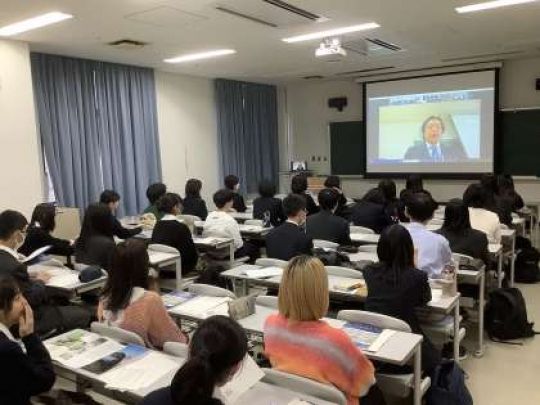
pixel 368 337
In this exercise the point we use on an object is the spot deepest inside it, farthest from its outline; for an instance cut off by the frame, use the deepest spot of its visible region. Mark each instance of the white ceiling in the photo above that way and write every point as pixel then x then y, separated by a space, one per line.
pixel 430 31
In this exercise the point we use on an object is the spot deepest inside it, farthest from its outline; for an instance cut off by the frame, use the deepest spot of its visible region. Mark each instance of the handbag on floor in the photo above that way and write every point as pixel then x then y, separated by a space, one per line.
pixel 448 386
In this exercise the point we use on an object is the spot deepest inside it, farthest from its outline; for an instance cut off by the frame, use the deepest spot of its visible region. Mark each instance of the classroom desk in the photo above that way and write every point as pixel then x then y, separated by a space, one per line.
pixel 444 305
pixel 215 244
pixel 247 231
pixel 398 350
pixel 241 216
pixel 159 260
pixel 365 238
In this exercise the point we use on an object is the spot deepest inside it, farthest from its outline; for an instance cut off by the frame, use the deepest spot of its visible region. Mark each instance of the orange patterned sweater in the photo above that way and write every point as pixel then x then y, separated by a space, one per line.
pixel 320 352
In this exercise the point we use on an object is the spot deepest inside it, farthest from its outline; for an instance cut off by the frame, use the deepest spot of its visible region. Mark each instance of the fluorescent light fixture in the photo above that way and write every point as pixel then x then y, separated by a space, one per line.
pixel 331 33
pixel 489 5
pixel 33 23
pixel 201 55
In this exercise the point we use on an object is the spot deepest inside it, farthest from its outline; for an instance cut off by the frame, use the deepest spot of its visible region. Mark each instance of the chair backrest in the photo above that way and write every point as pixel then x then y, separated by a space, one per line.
pixel 361 229
pixel 268 301
pixel 372 318
pixel 256 222
pixel 368 248
pixel 343 272
pixel 304 385
pixel 269 262
pixel 436 221
pixel 68 223
pixel 176 349
pixel 463 259
pixel 210 290
pixel 158 247
pixel 116 333
pixel 324 244
pixel 189 220
pixel 504 226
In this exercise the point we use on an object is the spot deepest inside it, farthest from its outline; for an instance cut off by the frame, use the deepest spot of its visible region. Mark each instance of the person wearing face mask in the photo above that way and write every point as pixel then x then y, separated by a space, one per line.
pixel 23 373
pixel 431 148
pixel 49 317
pixel 289 239
pixel 232 183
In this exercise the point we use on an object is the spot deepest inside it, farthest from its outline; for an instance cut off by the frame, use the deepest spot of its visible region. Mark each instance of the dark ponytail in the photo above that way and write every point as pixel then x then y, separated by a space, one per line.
pixel 218 345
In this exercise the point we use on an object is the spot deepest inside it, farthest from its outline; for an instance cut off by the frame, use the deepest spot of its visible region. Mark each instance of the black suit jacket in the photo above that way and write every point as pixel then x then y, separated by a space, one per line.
pixel 311 206
pixel 97 252
pixel 472 243
pixel 287 241
pixel 451 151
pixel 121 232
pixel 24 375
pixel 370 215
pixel 327 226
pixel 37 238
pixel 195 206
pixel 238 203
pixel 269 205
pixel 397 297
pixel 33 290
pixel 163 397
pixel 177 235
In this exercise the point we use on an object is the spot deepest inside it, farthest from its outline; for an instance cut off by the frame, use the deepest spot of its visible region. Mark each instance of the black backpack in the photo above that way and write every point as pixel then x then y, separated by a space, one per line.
pixel 448 386
pixel 526 266
pixel 506 316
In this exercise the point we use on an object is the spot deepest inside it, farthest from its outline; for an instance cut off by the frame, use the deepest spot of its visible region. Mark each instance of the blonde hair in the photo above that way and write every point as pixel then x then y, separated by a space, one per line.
pixel 303 292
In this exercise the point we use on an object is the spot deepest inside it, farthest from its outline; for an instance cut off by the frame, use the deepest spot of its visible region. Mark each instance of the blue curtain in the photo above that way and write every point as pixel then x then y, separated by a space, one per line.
pixel 98 127
pixel 247 130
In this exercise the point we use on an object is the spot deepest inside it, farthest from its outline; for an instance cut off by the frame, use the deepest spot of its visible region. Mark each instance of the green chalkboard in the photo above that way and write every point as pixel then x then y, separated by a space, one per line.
pixel 347 147
pixel 519 148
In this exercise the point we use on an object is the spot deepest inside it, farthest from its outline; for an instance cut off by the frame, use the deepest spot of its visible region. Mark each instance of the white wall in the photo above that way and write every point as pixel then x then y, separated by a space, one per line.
pixel 187 132
pixel 309 116
pixel 20 166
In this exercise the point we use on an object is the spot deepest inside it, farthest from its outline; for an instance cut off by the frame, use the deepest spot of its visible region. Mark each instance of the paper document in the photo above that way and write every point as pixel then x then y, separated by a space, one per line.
pixel 248 375
pixel 250 228
pixel 36 253
pixel 159 257
pixel 368 337
pixel 140 373
pixel 364 256
pixel 79 348
pixel 436 294
pixel 209 240
pixel 200 307
pixel 264 272
pixel 176 298
pixel 68 279
pixel 349 285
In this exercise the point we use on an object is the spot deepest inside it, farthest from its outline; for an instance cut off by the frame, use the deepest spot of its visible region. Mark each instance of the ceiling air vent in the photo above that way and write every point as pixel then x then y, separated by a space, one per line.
pixel 127 44
pixel 313 77
pixel 296 10
pixel 246 16
pixel 383 44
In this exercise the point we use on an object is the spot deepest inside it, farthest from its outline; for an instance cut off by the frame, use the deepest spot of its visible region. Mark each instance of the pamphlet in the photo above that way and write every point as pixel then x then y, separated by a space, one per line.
pixel 176 298
pixel 368 337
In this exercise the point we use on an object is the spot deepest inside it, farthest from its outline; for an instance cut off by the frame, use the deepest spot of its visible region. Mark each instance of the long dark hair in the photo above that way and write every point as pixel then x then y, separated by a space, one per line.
pixel 44 215
pixel 97 222
pixel 456 217
pixel 129 269
pixel 396 250
pixel 218 345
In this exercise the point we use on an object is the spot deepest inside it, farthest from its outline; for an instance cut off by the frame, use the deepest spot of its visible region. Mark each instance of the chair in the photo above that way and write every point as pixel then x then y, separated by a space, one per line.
pixel 361 229
pixel 397 385
pixel 176 349
pixel 436 221
pixel 267 301
pixel 461 259
pixel 165 283
pixel 343 272
pixel 324 244
pixel 115 333
pixel 256 222
pixel 368 248
pixel 210 290
pixel 304 385
pixel 68 223
pixel 189 220
pixel 269 262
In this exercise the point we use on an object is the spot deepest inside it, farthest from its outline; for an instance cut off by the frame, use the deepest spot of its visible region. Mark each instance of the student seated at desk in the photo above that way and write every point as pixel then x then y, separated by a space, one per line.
pixel 396 288
pixel 325 224
pixel 433 250
pixel 39 232
pixel 501 207
pixel 266 207
pixel 299 186
pixel 112 200
pixel 154 192
pixel 96 243
pixel 126 302
pixel 171 232
pixel 334 182
pixel 370 212
pixel 459 233
pixel 23 373
pixel 414 184
pixel 232 183
pixel 298 341
pixel 193 203
pixel 216 352
pixel 392 205
pixel 289 239
pixel 481 218
pixel 220 224
pixel 49 317
pixel 508 193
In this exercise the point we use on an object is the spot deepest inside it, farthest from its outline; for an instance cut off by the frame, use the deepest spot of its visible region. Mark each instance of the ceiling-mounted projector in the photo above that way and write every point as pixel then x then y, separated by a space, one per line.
pixel 330 50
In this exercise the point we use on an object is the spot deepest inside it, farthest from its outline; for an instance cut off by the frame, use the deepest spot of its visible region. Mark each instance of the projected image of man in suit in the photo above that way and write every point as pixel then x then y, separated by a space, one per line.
pixel 432 148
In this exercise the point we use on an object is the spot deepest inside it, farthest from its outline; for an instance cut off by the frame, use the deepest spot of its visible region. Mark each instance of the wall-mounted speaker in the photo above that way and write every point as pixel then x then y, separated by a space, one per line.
pixel 337 102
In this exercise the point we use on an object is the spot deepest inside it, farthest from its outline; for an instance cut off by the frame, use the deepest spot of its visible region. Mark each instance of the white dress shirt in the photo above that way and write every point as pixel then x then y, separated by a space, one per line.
pixel 433 249
pixel 5 330
pixel 487 222
pixel 219 224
